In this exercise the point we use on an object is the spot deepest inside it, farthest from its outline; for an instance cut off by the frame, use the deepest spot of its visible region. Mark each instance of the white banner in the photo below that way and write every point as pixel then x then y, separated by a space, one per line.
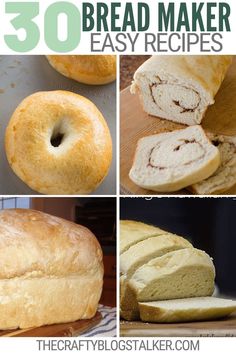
pixel 123 345
pixel 139 27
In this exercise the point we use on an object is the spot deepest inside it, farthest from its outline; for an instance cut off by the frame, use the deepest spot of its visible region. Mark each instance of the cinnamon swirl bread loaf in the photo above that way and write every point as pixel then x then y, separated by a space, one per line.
pixel 168 162
pixel 180 88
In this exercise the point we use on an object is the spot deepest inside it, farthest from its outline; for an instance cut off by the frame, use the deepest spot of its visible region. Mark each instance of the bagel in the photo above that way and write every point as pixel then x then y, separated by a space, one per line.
pixel 87 69
pixel 58 142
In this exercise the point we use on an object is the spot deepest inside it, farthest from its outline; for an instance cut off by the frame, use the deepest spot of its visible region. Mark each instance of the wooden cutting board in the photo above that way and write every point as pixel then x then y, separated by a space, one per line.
pixel 72 329
pixel 135 124
pixel 225 328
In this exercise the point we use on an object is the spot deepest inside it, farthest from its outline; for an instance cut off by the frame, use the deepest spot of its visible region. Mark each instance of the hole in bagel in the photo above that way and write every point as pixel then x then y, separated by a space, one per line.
pixel 56 139
pixel 58 134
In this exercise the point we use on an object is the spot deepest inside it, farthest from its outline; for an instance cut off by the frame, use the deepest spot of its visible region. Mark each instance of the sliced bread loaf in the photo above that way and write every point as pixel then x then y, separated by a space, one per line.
pixel 137 255
pixel 225 176
pixel 184 273
pixel 132 232
pixel 186 310
pixel 180 88
pixel 171 161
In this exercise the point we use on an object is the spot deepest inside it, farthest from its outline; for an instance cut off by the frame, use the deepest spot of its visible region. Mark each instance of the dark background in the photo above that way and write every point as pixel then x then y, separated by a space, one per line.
pixel 209 223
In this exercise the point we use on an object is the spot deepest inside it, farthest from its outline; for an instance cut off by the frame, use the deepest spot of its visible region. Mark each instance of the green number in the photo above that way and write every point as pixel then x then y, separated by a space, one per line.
pixel 24 20
pixel 73 28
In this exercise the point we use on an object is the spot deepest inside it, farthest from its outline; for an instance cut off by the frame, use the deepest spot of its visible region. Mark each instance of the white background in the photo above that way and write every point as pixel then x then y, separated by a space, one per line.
pixel 84 47
pixel 207 346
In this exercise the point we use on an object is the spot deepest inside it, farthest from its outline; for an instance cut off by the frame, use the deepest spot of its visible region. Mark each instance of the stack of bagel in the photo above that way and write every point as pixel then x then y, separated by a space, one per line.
pixel 164 278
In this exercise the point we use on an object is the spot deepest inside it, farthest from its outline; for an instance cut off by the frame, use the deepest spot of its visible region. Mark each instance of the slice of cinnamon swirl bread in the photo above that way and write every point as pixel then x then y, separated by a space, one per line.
pixel 168 162
pixel 180 88
pixel 225 176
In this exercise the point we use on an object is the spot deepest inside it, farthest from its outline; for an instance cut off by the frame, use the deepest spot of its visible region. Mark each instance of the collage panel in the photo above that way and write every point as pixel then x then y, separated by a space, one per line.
pixel 58 124
pixel 117 176
pixel 177 267
pixel 178 125
pixel 58 267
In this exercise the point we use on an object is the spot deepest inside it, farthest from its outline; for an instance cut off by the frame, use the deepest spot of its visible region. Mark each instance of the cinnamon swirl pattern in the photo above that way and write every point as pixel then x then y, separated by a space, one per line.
pixel 180 88
pixel 225 176
pixel 168 162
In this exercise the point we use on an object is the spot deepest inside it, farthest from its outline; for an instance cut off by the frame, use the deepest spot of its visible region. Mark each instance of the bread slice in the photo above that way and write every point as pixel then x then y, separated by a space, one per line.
pixel 168 162
pixel 180 88
pixel 179 274
pixel 186 310
pixel 132 232
pixel 225 176
pixel 137 255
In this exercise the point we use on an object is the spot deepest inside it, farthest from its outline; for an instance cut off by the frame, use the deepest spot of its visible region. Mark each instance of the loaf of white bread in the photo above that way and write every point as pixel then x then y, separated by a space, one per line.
pixel 51 270
pixel 180 88
pixel 168 162
pixel 160 267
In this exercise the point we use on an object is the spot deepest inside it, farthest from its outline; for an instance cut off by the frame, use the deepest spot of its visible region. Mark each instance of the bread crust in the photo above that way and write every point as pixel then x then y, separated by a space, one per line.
pixel 207 70
pixel 31 238
pixel 87 69
pixel 132 232
pixel 83 158
pixel 43 301
pixel 57 272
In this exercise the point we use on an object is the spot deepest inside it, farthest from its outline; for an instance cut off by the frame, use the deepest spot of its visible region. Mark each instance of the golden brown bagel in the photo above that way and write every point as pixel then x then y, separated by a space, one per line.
pixel 88 69
pixel 58 142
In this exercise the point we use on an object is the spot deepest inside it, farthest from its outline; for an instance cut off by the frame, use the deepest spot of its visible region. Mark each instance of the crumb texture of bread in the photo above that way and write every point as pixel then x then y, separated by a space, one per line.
pixel 186 310
pixel 168 162
pixel 183 273
pixel 225 176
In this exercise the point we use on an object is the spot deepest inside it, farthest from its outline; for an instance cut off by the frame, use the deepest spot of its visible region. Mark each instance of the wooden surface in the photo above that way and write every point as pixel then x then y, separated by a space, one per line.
pixel 72 329
pixel 135 124
pixel 224 327
pixel 128 65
